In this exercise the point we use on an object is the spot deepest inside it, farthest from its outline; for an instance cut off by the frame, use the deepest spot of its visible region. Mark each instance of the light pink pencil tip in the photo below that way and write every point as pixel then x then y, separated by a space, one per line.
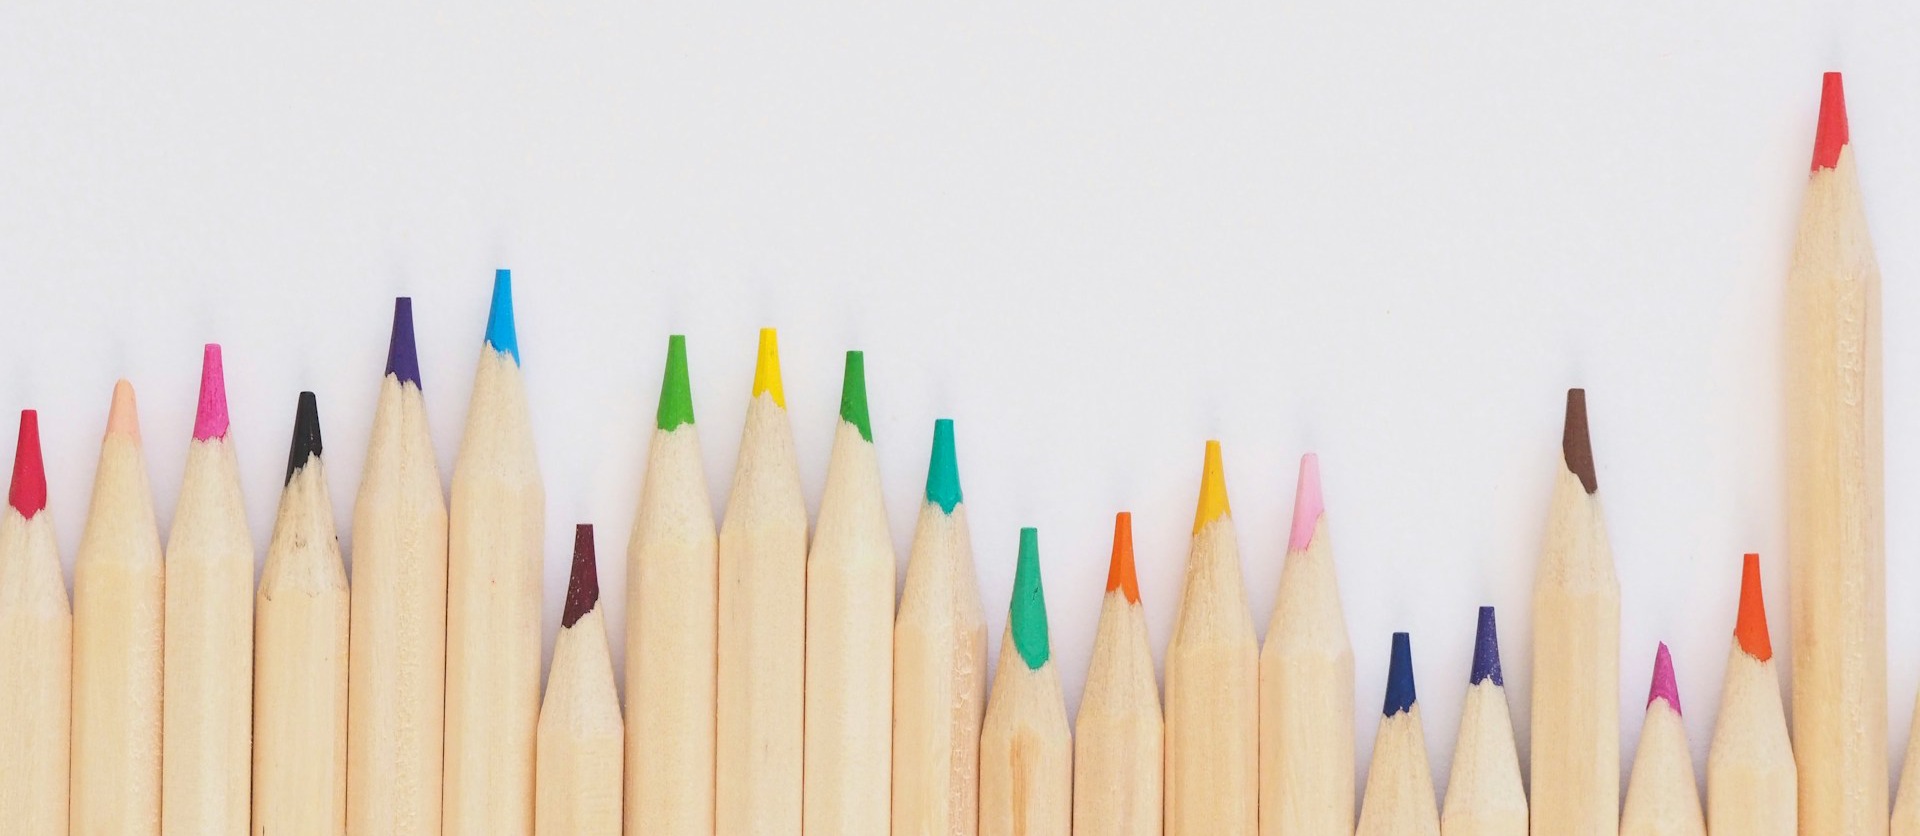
pixel 1665 687
pixel 1308 506
pixel 123 418
pixel 210 422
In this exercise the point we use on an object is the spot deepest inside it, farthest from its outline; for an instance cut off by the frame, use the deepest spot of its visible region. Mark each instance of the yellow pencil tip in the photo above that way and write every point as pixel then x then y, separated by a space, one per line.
pixel 766 373
pixel 1213 490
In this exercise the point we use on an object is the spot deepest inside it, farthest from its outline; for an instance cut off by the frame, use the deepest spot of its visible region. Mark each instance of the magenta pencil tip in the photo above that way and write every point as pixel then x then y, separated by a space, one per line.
pixel 210 421
pixel 1665 687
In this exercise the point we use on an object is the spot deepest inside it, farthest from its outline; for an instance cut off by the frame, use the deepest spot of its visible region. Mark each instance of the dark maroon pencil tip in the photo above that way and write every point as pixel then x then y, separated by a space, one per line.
pixel 1575 447
pixel 583 589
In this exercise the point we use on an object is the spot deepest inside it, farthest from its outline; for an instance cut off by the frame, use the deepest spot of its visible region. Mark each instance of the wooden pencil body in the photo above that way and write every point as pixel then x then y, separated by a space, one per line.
pixel 1118 751
pixel 1212 720
pixel 1835 523
pixel 396 690
pixel 496 519
pixel 1399 799
pixel 1662 798
pixel 939 680
pixel 1484 793
pixel 207 697
pixel 36 652
pixel 300 668
pixel 1576 671
pixel 1026 752
pixel 762 635
pixel 849 648
pixel 578 783
pixel 118 607
pixel 1750 772
pixel 672 578
pixel 1306 701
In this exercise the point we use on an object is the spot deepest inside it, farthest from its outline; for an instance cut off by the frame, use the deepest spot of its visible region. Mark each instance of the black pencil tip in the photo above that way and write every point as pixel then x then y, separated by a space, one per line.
pixel 306 434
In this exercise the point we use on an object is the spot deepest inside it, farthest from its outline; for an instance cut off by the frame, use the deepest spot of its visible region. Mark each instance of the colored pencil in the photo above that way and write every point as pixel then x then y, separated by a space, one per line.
pixel 496 517
pixel 1662 798
pixel 1484 794
pixel 672 595
pixel 1026 751
pixel 1117 742
pixel 1306 683
pixel 118 604
pixel 1576 652
pixel 207 699
pixel 1399 800
pixel 1213 685
pixel 577 778
pixel 849 669
pixel 1906 805
pixel 300 654
pixel 763 620
pixel 1836 535
pixel 396 691
pixel 939 664
pixel 1750 770
pixel 36 652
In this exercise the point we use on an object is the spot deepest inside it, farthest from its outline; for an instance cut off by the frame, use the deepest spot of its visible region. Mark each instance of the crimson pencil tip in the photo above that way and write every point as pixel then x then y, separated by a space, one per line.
pixel 1831 136
pixel 28 493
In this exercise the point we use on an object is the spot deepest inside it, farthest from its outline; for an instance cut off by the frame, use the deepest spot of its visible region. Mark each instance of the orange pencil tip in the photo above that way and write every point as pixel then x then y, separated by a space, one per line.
pixel 1750 628
pixel 1120 574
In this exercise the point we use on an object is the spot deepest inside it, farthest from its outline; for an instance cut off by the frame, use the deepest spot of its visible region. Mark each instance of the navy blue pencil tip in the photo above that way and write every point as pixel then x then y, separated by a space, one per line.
pixel 1400 696
pixel 1486 651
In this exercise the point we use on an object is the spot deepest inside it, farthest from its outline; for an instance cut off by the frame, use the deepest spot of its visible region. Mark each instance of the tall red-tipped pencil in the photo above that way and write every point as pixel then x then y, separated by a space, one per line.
pixel 300 654
pixel 1213 681
pixel 1484 793
pixel 36 649
pixel 1750 770
pixel 1576 652
pixel 1662 798
pixel 1118 747
pixel 207 702
pixel 1836 529
pixel 1306 683
pixel 1399 800
pixel 396 693
pixel 118 604
pixel 577 778
pixel 1026 750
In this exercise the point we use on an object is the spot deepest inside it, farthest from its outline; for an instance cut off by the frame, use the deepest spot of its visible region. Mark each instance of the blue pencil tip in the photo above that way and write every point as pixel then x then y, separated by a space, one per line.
pixel 1400 695
pixel 1486 651
pixel 500 334
pixel 403 361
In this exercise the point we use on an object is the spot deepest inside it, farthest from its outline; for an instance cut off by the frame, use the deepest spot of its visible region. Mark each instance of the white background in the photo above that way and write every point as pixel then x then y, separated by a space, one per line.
pixel 1095 235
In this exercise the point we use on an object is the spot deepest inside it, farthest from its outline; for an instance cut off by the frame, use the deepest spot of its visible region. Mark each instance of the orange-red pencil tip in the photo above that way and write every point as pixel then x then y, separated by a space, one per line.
pixel 1750 628
pixel 1832 133
pixel 1120 574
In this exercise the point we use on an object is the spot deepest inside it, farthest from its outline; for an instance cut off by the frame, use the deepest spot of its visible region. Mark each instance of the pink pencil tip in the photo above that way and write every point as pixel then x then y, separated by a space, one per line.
pixel 211 420
pixel 1664 685
pixel 1831 136
pixel 123 418
pixel 1308 506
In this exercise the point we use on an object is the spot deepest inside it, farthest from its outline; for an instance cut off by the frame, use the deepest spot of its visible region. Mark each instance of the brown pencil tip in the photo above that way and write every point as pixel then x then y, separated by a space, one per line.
pixel 583 589
pixel 1575 447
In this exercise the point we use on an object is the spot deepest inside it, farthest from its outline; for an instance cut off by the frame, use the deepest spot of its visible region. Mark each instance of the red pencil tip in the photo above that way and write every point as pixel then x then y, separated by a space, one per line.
pixel 1832 134
pixel 28 494
pixel 1750 628
pixel 1120 572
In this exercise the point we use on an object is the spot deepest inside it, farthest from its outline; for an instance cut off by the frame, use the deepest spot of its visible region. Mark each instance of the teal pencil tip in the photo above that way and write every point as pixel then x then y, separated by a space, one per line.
pixel 943 472
pixel 676 390
pixel 500 333
pixel 853 395
pixel 1027 618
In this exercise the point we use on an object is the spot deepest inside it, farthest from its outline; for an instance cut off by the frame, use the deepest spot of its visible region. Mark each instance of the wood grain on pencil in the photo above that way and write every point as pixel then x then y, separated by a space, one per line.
pixel 36 651
pixel 577 781
pixel 1399 799
pixel 1484 793
pixel 1118 751
pixel 1750 768
pixel 1026 749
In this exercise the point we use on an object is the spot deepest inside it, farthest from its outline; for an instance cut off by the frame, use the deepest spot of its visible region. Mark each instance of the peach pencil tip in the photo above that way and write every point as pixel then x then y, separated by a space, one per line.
pixel 123 418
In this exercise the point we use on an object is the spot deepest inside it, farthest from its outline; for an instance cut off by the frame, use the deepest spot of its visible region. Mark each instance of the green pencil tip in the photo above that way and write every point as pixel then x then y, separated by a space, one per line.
pixel 853 395
pixel 1027 618
pixel 676 392
pixel 943 473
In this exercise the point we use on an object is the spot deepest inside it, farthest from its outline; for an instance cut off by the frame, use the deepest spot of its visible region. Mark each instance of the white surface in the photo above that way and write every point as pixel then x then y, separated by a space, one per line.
pixel 1095 236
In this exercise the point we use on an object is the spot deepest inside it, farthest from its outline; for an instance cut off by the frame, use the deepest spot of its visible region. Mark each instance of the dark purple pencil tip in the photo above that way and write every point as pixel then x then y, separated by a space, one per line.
pixel 1486 651
pixel 583 589
pixel 402 361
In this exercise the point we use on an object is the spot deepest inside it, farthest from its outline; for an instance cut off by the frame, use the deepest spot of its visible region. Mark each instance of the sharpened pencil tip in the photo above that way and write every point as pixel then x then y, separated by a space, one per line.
pixel 1400 695
pixel 403 359
pixel 1831 136
pixel 210 420
pixel 583 587
pixel 676 388
pixel 1120 575
pixel 853 395
pixel 1308 506
pixel 943 471
pixel 1213 490
pixel 501 335
pixel 28 493
pixel 1575 446
pixel 123 417
pixel 1664 685
pixel 1486 651
pixel 766 369
pixel 1750 627
pixel 1028 617
pixel 306 435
